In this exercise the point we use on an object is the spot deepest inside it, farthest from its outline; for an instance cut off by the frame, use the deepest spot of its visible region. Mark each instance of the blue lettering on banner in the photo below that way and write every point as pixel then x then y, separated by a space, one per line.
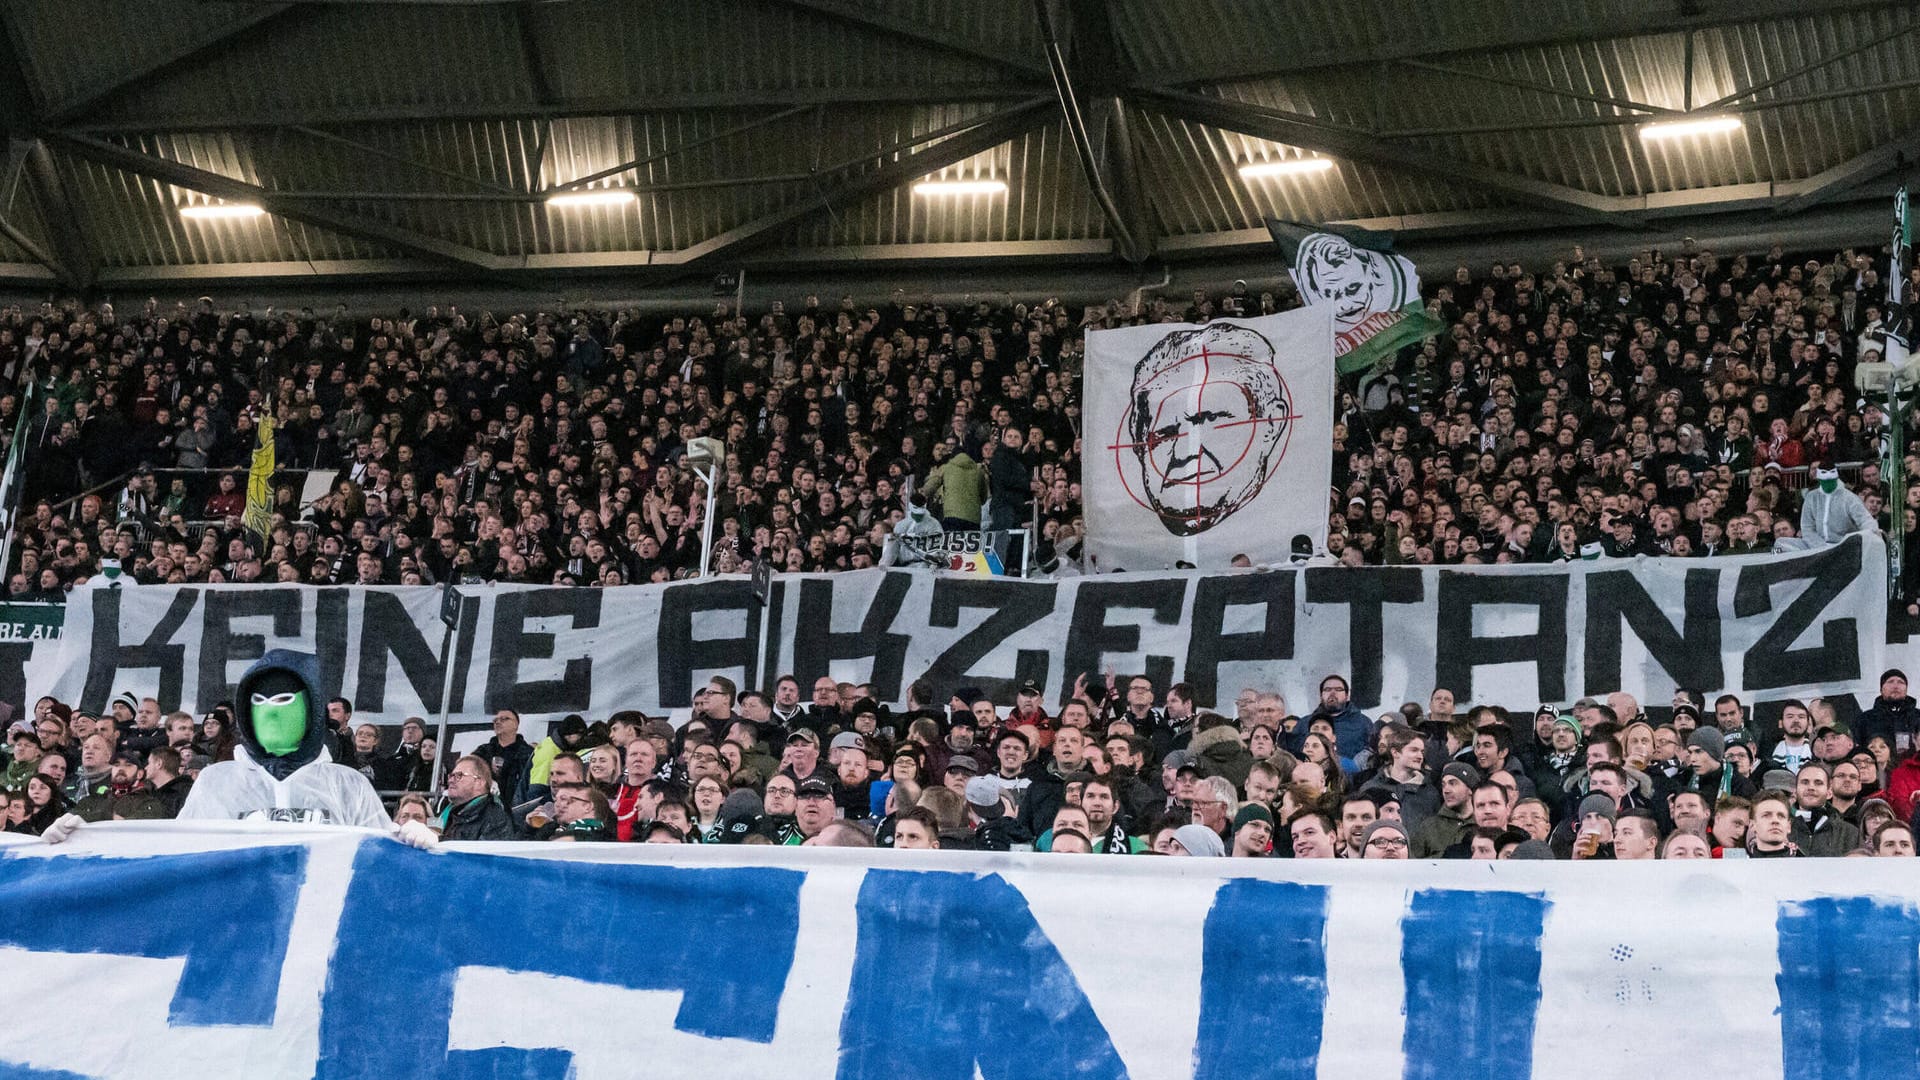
pixel 228 913
pixel 951 971
pixel 1263 990
pixel 1849 988
pixel 413 920
pixel 1471 961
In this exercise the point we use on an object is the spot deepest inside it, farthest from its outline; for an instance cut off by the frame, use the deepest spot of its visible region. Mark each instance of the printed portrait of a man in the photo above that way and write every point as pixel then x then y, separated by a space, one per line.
pixel 1357 282
pixel 1206 426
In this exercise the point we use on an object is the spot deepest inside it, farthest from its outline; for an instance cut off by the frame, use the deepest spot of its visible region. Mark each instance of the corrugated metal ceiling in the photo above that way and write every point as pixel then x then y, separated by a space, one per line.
pixel 449 121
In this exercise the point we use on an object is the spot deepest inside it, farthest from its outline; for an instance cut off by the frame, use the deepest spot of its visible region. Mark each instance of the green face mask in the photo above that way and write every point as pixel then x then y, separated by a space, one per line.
pixel 280 721
pixel 1828 486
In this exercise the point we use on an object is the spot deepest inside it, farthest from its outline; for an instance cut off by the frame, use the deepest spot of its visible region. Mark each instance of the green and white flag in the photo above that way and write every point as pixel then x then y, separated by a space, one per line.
pixel 1375 294
pixel 1899 315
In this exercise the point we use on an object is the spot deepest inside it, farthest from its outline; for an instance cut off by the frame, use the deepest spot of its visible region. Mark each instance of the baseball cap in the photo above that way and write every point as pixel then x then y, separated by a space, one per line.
pixel 964 763
pixel 1180 759
pixel 1030 687
pixel 983 795
pixel 814 788
pixel 803 735
pixel 849 740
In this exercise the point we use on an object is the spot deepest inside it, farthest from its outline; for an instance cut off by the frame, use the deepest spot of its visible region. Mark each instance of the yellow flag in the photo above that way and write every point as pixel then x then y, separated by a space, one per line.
pixel 259 516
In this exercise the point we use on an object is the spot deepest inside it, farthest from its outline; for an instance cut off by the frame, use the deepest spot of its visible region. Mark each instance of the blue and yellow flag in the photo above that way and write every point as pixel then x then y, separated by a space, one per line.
pixel 259 515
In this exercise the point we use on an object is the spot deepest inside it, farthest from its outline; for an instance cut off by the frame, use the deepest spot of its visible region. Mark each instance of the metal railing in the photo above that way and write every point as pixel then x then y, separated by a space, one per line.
pixel 65 507
pixel 1795 477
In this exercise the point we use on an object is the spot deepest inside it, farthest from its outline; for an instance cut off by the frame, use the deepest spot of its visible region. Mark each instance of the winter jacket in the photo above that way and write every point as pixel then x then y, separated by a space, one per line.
pixel 1903 786
pixel 1350 729
pixel 961 486
pixel 1823 834
pixel 484 818
pixel 1889 720
pixel 511 764
pixel 1440 831
pixel 1418 800
pixel 1222 754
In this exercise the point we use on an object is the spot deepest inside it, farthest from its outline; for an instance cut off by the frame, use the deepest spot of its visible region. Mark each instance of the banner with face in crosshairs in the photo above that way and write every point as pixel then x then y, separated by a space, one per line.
pixel 1207 442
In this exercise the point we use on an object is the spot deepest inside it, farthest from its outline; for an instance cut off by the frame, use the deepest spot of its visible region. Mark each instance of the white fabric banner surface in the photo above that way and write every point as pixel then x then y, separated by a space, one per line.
pixel 1206 442
pixel 1765 627
pixel 282 951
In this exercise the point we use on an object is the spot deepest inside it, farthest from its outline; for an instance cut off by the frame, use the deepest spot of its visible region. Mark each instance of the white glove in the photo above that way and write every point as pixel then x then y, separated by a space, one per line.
pixel 62 828
pixel 410 833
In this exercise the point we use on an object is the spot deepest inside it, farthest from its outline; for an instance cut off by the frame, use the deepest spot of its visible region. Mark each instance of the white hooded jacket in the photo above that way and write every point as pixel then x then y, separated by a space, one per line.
pixel 321 792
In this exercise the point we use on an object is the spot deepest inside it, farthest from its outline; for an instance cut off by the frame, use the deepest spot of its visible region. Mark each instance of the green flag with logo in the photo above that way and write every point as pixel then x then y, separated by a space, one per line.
pixel 1374 293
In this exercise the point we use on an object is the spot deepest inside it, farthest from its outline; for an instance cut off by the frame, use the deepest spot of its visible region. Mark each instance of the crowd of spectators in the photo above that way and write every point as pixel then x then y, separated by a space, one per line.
pixel 1670 406
pixel 1125 767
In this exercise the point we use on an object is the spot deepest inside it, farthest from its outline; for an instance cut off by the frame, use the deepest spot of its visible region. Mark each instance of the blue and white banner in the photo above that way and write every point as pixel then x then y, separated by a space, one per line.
pixel 155 951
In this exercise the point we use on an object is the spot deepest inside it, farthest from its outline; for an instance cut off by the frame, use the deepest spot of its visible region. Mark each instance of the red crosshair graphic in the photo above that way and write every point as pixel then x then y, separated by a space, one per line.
pixel 1198 391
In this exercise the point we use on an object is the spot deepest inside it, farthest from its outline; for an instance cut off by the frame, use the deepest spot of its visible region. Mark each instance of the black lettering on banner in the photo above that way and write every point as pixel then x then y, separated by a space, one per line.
pixel 220 646
pixel 13 667
pixel 1090 637
pixel 1691 654
pixel 513 645
pixel 1772 662
pixel 1459 650
pixel 107 657
pixel 1209 646
pixel 330 639
pixel 386 628
pixel 1365 594
pixel 816 645
pixel 1011 607
pixel 678 652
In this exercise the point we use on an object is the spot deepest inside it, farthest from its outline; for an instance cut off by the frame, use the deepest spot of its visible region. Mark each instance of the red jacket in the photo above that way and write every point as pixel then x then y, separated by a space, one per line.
pixel 1903 785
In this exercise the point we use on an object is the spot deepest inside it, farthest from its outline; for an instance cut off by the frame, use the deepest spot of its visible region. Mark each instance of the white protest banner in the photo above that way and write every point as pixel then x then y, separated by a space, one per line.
pixel 1206 442
pixel 1765 627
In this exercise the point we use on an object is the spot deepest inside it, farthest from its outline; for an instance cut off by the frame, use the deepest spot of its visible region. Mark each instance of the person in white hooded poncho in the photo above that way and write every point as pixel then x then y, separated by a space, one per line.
pixel 1829 511
pixel 281 769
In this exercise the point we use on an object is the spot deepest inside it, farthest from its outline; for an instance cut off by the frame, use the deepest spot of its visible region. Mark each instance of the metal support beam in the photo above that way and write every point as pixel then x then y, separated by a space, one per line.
pixel 919 33
pixel 906 164
pixel 730 100
pixel 198 51
pixel 1813 66
pixel 1836 181
pixel 643 162
pixel 1535 87
pixel 1129 244
pixel 1520 25
pixel 76 265
pixel 223 187
pixel 1354 145
pixel 400 159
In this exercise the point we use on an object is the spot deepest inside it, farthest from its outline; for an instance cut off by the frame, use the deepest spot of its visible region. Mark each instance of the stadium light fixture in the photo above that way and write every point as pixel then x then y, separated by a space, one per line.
pixel 932 188
pixel 601 197
pixel 1263 170
pixel 1684 129
pixel 213 211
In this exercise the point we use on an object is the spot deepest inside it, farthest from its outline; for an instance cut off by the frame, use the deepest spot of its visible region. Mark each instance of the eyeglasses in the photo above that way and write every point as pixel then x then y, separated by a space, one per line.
pixel 1387 842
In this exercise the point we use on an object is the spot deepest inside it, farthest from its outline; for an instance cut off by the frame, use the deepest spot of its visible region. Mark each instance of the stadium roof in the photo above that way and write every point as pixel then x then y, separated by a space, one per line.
pixel 399 137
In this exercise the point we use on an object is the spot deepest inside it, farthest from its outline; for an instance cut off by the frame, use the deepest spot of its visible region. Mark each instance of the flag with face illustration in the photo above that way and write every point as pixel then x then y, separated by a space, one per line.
pixel 1373 293
pixel 1207 442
